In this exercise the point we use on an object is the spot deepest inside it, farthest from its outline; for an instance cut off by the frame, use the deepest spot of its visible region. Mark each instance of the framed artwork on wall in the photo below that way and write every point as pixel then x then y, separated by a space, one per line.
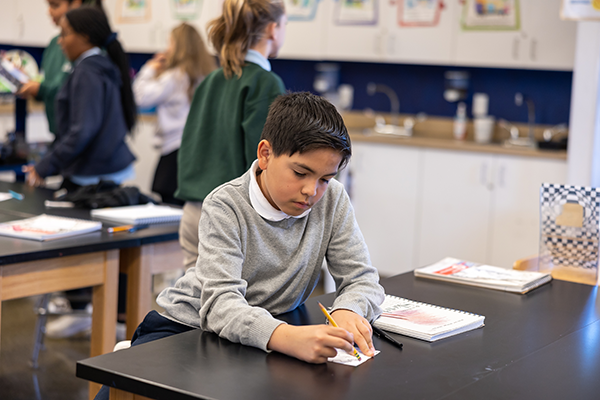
pixel 580 10
pixel 491 15
pixel 133 11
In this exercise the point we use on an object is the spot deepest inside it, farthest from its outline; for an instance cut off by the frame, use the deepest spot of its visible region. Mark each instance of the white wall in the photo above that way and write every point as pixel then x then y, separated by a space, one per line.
pixel 584 132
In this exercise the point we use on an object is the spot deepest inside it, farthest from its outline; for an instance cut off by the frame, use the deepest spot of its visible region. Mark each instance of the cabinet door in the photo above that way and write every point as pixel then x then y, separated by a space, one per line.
pixel 515 225
pixel 422 44
pixel 552 40
pixel 543 41
pixel 143 35
pixel 384 185
pixel 455 206
pixel 305 36
pixel 366 41
pixel 8 22
pixel 489 48
pixel 34 25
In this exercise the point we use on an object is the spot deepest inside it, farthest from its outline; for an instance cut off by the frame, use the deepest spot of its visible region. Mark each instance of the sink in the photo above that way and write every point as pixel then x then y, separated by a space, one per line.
pixel 520 142
pixel 392 130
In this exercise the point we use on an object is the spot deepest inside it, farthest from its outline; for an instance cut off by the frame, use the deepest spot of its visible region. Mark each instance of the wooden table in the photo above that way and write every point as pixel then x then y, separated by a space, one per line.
pixel 30 267
pixel 541 345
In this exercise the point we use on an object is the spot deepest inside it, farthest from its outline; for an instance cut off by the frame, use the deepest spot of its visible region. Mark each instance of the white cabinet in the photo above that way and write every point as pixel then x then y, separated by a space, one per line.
pixel 481 207
pixel 384 192
pixel 455 205
pixel 152 35
pixel 306 32
pixel 423 44
pixel 416 206
pixel 543 42
pixel 515 221
pixel 8 22
pixel 366 42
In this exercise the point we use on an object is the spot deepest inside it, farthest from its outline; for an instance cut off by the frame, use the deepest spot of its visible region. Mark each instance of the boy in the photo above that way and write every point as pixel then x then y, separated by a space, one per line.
pixel 263 237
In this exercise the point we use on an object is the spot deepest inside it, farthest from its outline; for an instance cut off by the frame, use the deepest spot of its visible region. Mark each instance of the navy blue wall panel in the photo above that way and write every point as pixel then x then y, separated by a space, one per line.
pixel 420 87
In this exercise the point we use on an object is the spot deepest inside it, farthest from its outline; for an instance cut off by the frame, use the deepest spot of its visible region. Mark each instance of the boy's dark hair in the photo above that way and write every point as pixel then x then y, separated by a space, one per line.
pixel 300 122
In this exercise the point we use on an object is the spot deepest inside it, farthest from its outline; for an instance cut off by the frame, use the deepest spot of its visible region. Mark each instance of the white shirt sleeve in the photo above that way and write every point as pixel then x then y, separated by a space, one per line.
pixel 151 91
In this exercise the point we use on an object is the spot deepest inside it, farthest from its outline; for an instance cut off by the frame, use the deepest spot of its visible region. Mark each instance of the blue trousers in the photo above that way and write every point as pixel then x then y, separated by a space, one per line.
pixel 153 327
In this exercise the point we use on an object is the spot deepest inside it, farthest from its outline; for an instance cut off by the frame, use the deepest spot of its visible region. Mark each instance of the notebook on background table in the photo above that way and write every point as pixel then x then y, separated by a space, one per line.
pixel 139 214
pixel 48 227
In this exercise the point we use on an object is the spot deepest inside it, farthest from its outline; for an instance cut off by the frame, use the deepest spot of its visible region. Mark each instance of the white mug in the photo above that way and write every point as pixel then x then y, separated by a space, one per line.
pixel 484 129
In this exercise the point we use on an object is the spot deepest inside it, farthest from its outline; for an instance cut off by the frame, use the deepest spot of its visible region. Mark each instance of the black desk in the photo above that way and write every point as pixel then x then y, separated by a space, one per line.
pixel 542 345
pixel 29 267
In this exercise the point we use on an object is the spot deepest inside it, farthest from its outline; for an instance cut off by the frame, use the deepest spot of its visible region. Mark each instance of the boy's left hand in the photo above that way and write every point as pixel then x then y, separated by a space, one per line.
pixel 359 327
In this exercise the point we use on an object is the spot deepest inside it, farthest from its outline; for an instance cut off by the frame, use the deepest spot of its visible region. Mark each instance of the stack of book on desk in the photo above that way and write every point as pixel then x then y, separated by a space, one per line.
pixel 470 273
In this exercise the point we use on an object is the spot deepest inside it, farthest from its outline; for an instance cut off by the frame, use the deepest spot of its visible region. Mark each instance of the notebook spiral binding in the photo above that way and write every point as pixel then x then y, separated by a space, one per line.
pixel 396 306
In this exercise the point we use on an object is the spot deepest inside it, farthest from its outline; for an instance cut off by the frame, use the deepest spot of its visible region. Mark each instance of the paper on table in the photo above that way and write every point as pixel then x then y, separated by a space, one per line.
pixel 348 359
pixel 5 196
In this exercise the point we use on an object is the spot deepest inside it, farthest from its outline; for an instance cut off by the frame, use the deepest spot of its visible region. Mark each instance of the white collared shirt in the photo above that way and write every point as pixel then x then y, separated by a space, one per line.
pixel 255 57
pixel 261 204
pixel 88 53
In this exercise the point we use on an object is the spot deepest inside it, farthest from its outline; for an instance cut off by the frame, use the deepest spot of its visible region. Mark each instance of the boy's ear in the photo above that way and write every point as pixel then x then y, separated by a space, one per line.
pixel 264 153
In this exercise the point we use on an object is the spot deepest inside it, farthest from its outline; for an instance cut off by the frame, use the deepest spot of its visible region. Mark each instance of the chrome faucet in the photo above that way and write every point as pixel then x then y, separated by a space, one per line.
pixel 373 88
pixel 511 128
pixel 519 99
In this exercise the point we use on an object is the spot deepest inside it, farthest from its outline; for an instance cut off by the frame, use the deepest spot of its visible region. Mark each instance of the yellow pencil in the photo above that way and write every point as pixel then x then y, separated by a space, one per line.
pixel 119 228
pixel 332 322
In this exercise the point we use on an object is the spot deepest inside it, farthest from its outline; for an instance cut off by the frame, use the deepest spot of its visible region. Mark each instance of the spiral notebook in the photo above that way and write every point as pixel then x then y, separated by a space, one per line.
pixel 48 227
pixel 138 215
pixel 424 321
pixel 469 273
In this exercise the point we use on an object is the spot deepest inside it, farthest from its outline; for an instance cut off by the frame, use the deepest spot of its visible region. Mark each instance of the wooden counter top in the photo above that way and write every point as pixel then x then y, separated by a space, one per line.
pixel 436 132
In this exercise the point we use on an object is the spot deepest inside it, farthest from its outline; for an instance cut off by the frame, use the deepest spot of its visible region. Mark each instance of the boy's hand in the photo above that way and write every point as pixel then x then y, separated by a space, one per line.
pixel 310 343
pixel 357 326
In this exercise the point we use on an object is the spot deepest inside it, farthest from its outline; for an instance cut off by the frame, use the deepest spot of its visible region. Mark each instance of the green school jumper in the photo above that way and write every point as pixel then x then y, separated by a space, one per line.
pixel 223 129
pixel 56 69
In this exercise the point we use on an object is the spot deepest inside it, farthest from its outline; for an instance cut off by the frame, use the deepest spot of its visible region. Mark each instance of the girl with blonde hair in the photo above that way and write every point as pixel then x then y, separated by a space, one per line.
pixel 167 82
pixel 230 107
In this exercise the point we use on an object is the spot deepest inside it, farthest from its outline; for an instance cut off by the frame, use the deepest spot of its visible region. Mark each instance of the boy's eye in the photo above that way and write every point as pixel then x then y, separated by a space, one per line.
pixel 299 174
pixel 325 180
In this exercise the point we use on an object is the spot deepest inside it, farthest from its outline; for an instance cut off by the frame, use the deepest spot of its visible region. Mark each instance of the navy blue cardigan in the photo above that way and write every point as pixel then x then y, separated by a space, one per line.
pixel 90 125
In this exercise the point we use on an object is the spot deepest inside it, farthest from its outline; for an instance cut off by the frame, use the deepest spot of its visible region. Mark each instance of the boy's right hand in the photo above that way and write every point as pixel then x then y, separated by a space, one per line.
pixel 310 343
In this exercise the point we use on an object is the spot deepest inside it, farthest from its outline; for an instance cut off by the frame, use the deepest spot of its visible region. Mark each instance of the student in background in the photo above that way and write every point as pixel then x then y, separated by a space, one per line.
pixel 288 215
pixel 229 107
pixel 55 66
pixel 167 82
pixel 95 110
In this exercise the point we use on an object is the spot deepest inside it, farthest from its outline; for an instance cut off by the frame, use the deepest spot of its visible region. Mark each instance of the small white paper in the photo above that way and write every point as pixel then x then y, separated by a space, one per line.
pixel 5 196
pixel 348 359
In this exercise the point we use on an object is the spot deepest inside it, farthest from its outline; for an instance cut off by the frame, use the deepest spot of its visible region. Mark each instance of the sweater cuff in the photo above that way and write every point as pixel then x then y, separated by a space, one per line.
pixel 261 331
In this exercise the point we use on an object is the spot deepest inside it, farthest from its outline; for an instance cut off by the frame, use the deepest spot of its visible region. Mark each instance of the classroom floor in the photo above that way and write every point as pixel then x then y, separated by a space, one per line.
pixel 55 378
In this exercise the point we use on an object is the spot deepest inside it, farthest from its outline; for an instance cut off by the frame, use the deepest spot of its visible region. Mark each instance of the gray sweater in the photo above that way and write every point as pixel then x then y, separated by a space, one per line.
pixel 250 269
